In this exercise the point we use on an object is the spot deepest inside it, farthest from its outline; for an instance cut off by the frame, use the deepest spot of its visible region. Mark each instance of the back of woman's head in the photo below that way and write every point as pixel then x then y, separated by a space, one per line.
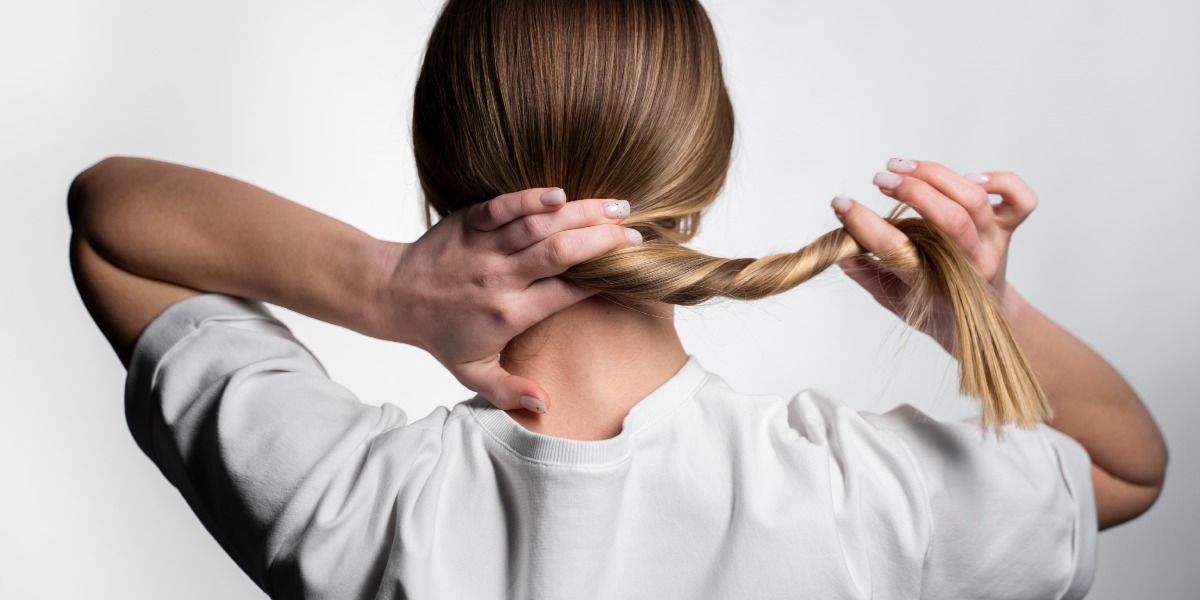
pixel 626 99
pixel 604 98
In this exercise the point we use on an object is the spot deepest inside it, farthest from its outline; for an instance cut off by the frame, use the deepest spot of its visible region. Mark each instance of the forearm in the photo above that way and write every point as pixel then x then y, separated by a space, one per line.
pixel 212 233
pixel 1092 402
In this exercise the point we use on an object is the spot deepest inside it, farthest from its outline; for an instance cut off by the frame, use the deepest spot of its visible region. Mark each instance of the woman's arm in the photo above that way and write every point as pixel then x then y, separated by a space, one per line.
pixel 147 234
pixel 1094 404
pixel 1091 402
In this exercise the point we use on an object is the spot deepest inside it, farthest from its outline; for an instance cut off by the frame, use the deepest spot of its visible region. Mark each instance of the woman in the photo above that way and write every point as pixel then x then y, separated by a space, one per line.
pixel 599 459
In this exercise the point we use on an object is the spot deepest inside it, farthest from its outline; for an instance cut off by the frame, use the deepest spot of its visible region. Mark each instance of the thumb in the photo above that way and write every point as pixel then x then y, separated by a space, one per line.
pixel 503 389
pixel 883 285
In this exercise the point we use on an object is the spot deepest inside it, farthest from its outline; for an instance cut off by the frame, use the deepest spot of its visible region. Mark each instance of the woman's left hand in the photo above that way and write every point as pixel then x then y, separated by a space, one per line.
pixel 959 206
pixel 488 272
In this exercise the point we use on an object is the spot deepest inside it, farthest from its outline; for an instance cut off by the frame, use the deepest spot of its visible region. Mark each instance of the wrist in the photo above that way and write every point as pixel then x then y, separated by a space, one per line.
pixel 1013 305
pixel 384 302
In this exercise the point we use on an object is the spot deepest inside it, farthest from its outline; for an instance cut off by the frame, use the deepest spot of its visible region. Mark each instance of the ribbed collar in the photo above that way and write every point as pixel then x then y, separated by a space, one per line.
pixel 555 450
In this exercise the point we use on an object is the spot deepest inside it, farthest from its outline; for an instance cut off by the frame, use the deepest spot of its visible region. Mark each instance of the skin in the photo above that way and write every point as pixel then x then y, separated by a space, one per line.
pixel 1091 401
pixel 147 234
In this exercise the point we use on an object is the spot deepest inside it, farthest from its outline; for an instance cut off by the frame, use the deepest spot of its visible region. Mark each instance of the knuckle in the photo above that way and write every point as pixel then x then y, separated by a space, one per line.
pixel 487 280
pixel 560 250
pixel 959 224
pixel 502 314
pixel 492 209
pixel 975 199
pixel 489 277
pixel 533 227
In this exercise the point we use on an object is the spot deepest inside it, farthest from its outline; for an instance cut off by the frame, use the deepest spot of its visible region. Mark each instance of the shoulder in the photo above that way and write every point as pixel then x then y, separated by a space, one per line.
pixel 815 427
pixel 812 414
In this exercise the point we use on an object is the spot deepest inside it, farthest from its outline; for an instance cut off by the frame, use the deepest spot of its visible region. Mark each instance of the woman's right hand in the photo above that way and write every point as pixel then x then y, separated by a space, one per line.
pixel 485 273
pixel 958 206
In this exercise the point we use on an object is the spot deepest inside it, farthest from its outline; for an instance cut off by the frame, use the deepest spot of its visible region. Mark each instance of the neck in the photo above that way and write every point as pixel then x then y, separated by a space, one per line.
pixel 596 359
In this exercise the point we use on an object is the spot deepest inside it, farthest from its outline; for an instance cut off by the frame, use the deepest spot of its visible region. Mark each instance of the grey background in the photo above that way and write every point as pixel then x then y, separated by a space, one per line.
pixel 1094 103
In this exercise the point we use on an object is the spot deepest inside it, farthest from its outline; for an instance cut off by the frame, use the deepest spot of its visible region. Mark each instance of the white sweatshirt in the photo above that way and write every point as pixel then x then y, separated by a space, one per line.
pixel 705 493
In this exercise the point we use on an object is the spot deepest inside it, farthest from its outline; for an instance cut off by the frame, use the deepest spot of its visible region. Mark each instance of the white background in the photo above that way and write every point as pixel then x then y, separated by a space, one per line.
pixel 1094 103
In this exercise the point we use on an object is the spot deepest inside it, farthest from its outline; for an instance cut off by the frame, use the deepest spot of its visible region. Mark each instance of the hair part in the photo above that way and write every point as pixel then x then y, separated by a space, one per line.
pixel 626 99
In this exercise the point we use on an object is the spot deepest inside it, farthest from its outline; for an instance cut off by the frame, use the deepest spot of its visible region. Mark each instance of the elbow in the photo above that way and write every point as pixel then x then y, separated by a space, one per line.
pixel 1119 501
pixel 90 184
pixel 1162 477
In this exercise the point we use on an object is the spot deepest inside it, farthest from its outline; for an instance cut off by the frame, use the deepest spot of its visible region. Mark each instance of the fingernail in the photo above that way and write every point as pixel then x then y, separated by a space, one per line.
pixel 977 177
pixel 634 236
pixel 901 165
pixel 887 180
pixel 841 204
pixel 616 208
pixel 553 197
pixel 534 404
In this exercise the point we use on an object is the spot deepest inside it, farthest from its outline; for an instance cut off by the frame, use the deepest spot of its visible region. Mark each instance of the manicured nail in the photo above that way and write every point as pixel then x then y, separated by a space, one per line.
pixel 979 178
pixel 841 204
pixel 887 180
pixel 616 208
pixel 901 165
pixel 553 197
pixel 534 404
pixel 634 236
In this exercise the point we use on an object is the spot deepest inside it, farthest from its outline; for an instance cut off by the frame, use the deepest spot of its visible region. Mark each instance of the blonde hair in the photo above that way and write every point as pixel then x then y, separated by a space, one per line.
pixel 626 99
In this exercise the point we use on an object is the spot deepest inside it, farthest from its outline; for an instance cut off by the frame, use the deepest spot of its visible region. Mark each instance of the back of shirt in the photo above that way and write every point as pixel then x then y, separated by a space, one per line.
pixel 705 492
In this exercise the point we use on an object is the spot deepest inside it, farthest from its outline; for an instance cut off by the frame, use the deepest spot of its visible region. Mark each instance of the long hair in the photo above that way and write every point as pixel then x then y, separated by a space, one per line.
pixel 626 99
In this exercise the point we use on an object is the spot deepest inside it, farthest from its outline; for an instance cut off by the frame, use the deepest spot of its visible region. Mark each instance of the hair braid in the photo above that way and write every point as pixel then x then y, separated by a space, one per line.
pixel 994 370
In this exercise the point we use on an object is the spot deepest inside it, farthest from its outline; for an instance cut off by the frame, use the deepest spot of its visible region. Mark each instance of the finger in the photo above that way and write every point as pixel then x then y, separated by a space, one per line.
pixel 966 193
pixel 545 297
pixel 870 230
pixel 503 389
pixel 945 214
pixel 1017 200
pixel 886 287
pixel 531 229
pixel 498 211
pixel 564 249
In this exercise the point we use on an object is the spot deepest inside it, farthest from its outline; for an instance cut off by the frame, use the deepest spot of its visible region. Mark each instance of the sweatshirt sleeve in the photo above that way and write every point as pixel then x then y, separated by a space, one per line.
pixel 244 421
pixel 1010 518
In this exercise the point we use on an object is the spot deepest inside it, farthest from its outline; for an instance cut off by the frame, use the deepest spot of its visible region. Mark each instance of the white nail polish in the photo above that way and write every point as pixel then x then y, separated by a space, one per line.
pixel 553 197
pixel 616 208
pixel 887 180
pixel 901 165
pixel 979 178
pixel 534 404
pixel 634 236
pixel 841 204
